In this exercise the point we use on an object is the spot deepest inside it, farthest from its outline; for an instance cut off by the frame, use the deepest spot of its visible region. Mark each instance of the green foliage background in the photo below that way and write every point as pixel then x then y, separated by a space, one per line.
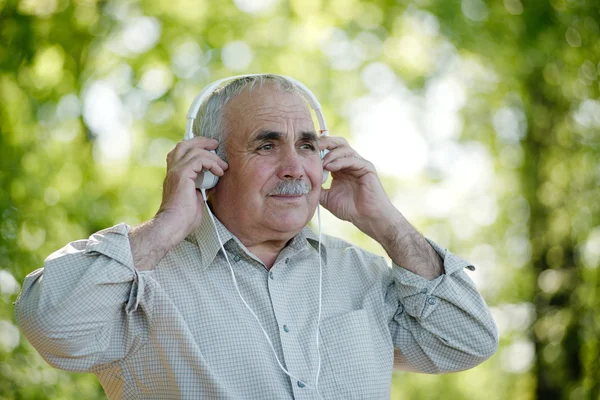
pixel 60 180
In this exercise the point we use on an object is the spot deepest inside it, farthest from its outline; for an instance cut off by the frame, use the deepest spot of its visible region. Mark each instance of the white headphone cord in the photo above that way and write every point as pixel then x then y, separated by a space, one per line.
pixel 252 312
pixel 320 302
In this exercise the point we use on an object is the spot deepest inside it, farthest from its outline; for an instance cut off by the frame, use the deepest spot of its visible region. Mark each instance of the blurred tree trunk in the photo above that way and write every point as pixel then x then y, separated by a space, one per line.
pixel 555 335
pixel 539 53
pixel 557 182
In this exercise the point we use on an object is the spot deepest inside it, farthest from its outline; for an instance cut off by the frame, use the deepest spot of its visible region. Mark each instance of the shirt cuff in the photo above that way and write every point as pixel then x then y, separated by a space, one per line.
pixel 416 293
pixel 114 244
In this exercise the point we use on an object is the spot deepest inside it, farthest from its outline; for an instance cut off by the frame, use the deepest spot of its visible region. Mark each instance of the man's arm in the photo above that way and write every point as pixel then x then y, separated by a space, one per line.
pixel 407 247
pixel 87 295
pixel 150 241
pixel 436 317
pixel 440 325
pixel 75 311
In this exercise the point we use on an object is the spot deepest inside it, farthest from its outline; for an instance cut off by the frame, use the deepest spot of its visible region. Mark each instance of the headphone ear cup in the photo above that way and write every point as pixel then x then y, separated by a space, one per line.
pixel 206 180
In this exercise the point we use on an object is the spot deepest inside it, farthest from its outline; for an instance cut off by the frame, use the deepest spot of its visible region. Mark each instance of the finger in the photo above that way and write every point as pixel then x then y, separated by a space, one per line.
pixel 209 155
pixel 184 146
pixel 351 165
pixel 339 152
pixel 332 142
pixel 199 164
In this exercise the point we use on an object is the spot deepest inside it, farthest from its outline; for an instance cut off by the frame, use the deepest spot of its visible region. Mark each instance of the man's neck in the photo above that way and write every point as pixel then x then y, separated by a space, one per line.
pixel 266 249
pixel 266 252
pixel 263 243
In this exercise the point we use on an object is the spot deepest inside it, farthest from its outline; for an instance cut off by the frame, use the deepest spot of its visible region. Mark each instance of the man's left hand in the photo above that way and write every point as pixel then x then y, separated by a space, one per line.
pixel 356 193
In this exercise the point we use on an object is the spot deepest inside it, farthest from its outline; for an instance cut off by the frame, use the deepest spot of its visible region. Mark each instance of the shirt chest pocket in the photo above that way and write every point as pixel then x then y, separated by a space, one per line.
pixel 357 357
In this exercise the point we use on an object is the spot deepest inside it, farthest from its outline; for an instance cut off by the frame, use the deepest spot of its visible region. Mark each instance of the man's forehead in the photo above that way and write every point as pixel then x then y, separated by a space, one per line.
pixel 267 99
pixel 268 109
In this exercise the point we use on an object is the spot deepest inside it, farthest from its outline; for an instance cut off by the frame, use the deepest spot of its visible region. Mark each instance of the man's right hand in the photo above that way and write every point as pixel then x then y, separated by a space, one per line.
pixel 182 206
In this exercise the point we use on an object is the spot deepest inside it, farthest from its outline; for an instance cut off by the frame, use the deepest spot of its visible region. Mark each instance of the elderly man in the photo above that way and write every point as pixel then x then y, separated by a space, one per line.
pixel 154 311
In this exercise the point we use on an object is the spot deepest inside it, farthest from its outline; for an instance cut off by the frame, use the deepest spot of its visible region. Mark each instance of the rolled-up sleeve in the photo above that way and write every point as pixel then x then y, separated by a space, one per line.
pixel 440 325
pixel 89 305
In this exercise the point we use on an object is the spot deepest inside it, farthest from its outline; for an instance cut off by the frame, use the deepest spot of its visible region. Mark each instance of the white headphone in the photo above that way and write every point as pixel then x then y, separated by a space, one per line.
pixel 205 179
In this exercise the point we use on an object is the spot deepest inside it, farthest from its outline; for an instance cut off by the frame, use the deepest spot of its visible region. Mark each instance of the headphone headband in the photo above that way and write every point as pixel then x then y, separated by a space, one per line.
pixel 208 90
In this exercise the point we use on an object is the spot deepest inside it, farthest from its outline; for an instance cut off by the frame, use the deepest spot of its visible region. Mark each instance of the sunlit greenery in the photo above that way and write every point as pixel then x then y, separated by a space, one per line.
pixel 482 117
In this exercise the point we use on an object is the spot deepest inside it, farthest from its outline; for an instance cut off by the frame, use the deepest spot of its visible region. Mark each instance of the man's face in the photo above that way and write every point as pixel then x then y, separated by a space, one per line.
pixel 271 139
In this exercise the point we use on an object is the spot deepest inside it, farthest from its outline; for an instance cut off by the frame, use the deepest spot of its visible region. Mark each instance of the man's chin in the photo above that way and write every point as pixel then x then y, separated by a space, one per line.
pixel 291 221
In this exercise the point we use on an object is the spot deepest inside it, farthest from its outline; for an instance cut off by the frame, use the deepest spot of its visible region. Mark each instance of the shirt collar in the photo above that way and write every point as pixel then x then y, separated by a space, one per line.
pixel 208 243
pixel 307 235
pixel 206 238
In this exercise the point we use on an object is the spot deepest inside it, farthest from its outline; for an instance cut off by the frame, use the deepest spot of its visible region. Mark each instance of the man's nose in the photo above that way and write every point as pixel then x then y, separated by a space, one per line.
pixel 290 166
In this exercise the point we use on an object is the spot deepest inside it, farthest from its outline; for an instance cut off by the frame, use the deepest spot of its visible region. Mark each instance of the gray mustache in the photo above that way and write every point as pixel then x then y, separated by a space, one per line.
pixel 291 188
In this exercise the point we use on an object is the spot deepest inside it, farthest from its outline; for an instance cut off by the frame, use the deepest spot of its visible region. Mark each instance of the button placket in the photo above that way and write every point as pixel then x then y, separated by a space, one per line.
pixel 280 311
pixel 292 352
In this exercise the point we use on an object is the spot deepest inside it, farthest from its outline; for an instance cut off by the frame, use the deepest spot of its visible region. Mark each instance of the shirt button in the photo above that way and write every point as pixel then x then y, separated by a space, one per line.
pixel 236 258
pixel 424 291
pixel 285 328
pixel 287 261
pixel 271 275
pixel 431 300
pixel 301 384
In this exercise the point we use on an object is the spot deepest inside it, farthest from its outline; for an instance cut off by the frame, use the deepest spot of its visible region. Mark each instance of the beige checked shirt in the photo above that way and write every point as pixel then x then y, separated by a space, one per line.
pixel 182 332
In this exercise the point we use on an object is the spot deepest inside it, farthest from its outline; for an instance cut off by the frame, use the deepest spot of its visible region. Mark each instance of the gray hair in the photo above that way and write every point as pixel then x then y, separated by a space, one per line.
pixel 210 118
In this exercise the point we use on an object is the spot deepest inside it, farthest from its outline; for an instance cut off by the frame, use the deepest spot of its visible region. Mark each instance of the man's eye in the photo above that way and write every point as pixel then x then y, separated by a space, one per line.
pixel 308 146
pixel 268 146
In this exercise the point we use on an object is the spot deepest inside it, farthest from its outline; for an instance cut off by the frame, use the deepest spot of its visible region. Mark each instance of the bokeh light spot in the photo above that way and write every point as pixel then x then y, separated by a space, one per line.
pixel 573 37
pixel 156 81
pixel 236 55
pixel 8 283
pixel 32 237
pixel 255 6
pixel 9 336
pixel 518 356
pixel 475 10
